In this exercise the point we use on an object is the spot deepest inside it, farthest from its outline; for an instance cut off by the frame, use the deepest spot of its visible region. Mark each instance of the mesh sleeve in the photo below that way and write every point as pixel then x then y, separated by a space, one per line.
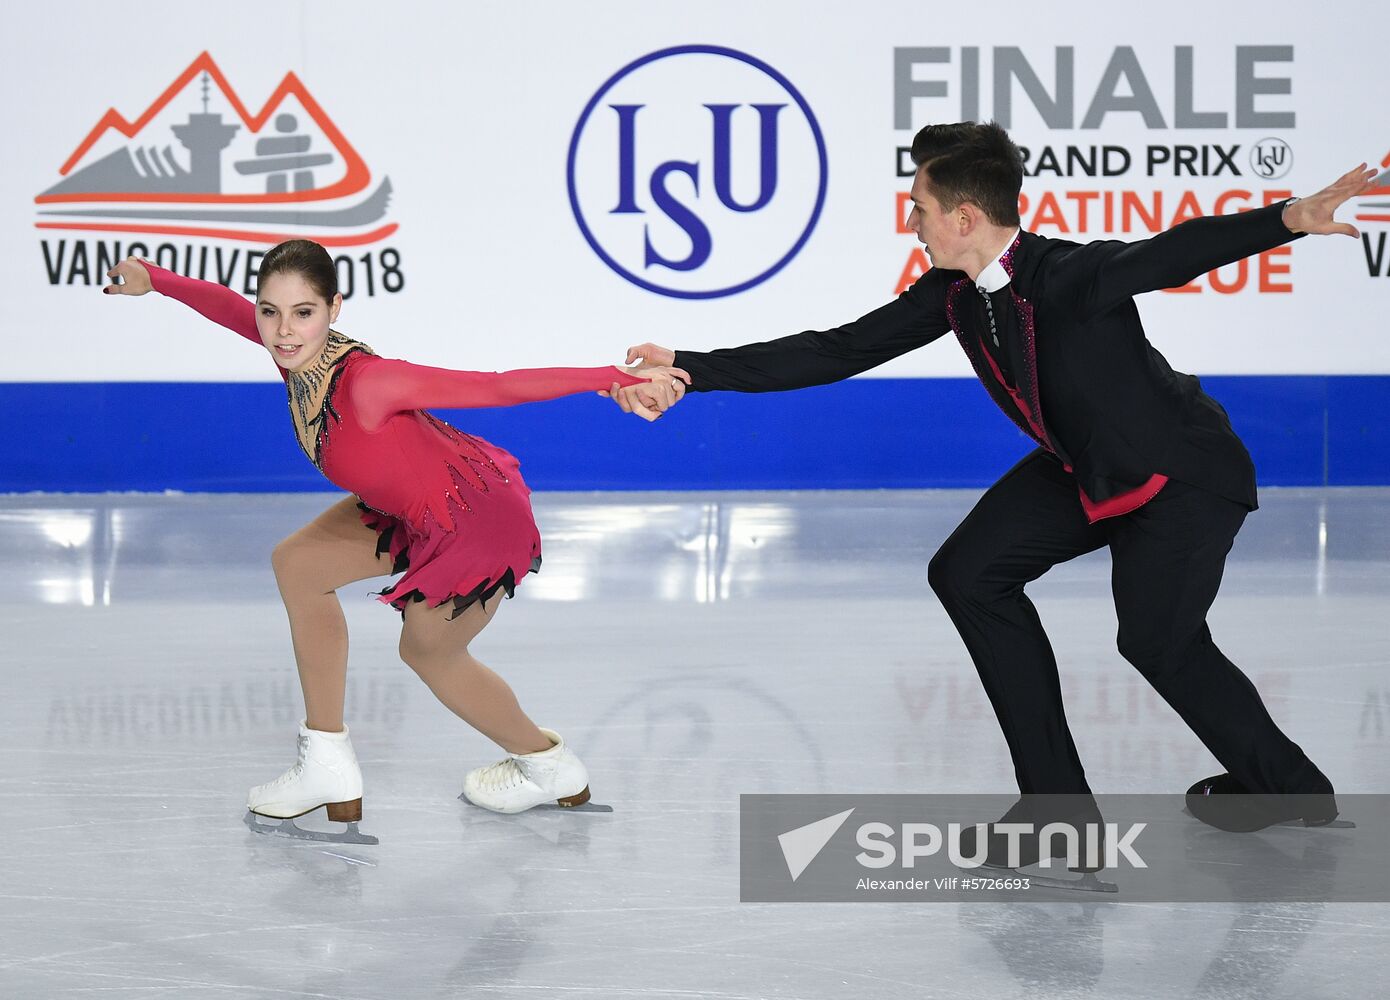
pixel 387 386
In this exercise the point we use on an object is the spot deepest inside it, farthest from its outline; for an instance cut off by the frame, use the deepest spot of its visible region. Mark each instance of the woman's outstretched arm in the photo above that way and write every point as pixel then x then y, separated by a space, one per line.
pixel 217 302
pixel 385 386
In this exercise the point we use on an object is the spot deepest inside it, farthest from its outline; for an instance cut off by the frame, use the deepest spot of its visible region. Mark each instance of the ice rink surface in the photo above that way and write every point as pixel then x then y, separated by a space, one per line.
pixel 691 647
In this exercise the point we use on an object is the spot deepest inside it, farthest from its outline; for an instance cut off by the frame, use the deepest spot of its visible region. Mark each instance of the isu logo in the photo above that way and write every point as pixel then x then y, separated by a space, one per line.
pixel 198 165
pixel 1271 159
pixel 697 172
pixel 1375 208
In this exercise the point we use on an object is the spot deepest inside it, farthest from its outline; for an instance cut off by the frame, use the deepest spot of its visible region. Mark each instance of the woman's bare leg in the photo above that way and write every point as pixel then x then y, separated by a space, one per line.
pixel 332 550
pixel 437 649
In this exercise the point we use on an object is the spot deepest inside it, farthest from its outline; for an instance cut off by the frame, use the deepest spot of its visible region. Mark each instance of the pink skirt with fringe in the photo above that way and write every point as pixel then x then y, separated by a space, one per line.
pixel 459 567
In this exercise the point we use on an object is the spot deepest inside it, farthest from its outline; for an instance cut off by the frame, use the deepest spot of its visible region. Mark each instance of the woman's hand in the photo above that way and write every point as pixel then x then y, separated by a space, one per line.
pixel 664 388
pixel 131 271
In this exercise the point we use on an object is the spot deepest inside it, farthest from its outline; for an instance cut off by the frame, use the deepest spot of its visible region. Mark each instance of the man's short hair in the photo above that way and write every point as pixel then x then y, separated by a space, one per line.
pixel 974 162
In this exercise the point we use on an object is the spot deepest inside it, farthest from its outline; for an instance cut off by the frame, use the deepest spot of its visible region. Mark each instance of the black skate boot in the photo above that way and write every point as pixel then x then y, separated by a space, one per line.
pixel 1078 811
pixel 1223 802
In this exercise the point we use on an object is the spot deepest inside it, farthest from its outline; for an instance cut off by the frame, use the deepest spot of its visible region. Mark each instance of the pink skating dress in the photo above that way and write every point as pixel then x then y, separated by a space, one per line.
pixel 450 509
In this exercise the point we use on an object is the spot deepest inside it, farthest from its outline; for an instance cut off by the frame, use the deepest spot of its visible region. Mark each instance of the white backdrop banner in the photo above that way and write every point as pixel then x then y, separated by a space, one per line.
pixel 531 184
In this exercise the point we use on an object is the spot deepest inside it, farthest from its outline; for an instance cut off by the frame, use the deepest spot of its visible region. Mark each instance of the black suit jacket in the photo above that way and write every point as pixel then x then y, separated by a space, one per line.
pixel 1111 406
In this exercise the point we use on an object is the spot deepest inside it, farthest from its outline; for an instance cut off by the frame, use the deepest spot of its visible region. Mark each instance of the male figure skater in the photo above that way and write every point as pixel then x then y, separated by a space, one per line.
pixel 1131 455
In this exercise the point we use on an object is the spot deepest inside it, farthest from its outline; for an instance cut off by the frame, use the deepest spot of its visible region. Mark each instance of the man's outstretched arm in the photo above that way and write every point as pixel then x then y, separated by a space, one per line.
pixel 1099 275
pixel 817 357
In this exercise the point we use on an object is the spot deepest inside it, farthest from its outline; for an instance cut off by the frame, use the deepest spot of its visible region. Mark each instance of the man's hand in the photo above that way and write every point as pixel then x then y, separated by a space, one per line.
pixel 132 272
pixel 665 386
pixel 652 356
pixel 1314 213
pixel 636 399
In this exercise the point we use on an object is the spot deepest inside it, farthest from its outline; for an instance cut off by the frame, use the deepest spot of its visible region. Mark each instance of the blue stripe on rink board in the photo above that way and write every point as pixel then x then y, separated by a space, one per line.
pixel 1303 430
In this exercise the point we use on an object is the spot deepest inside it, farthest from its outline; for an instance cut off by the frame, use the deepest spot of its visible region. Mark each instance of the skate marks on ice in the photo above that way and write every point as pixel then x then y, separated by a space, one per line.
pixel 585 807
pixel 271 827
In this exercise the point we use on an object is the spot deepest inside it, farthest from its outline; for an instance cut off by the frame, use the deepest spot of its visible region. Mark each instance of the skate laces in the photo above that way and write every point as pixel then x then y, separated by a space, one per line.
pixel 298 767
pixel 502 775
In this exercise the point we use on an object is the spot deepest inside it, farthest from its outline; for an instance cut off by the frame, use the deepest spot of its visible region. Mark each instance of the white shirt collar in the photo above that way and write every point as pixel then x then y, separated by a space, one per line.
pixel 994 277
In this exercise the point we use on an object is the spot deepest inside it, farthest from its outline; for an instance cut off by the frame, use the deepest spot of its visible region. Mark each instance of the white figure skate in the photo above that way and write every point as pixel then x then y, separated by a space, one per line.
pixel 326 774
pixel 554 777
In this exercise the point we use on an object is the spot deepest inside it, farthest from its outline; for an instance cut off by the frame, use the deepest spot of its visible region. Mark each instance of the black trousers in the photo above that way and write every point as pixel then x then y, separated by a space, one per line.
pixel 1167 560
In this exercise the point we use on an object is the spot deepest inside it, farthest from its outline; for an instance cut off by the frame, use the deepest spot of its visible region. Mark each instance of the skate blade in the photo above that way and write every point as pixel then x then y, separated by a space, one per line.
pixel 289 828
pixel 1336 824
pixel 1080 882
pixel 587 807
pixel 1083 882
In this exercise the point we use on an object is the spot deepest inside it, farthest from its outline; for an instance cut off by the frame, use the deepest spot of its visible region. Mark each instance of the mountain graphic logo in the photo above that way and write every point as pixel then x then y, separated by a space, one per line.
pixel 198 162
pixel 801 846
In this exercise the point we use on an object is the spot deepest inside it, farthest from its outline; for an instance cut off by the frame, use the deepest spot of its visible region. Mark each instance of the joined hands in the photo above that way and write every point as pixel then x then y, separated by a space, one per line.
pixel 664 388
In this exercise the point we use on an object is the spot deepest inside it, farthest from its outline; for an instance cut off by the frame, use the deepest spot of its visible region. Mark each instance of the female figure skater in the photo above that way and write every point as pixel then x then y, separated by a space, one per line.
pixel 447 508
